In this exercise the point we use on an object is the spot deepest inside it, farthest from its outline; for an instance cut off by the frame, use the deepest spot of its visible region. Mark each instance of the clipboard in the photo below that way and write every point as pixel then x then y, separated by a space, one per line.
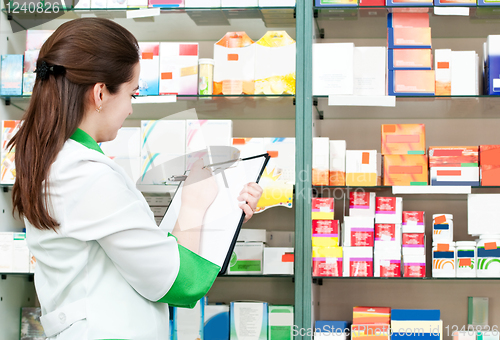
pixel 223 219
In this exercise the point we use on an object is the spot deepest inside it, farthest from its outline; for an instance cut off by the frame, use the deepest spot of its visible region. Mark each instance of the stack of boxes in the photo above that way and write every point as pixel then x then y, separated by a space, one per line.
pixel 454 165
pixel 387 252
pixel 403 149
pixel 409 54
pixel 489 157
pixel 371 323
pixel 407 324
pixel 413 241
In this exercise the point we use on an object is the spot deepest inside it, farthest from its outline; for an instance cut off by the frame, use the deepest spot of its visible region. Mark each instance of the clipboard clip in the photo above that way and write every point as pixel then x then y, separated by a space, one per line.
pixel 182 178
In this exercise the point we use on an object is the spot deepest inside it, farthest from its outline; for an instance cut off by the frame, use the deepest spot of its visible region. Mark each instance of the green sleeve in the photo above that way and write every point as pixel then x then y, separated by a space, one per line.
pixel 195 278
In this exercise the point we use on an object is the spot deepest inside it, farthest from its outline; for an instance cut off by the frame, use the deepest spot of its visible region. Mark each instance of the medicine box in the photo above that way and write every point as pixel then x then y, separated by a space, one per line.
pixel 429 330
pixel 415 315
pixel 361 167
pixel 331 329
pixel 321 161
pixel 216 325
pixel 163 136
pixel 408 3
pixel 370 71
pixel 249 147
pixel 405 170
pixel 252 235
pixel 325 233
pixel 414 265
pixel 411 83
pixel 362 204
pixel 489 154
pixel 246 259
pixel 490 175
pixel 178 68
pixel 442 67
pixel 368 315
pixel 149 78
pixel 189 322
pixel 11 74
pixel 322 208
pixel 358 262
pixel 276 3
pixel 387 263
pixel 327 261
pixel 280 322
pixel 403 139
pixel 413 222
pixel 409 59
pixel 388 210
pixel 358 231
pixel 454 176
pixel 329 3
pixel 333 76
pixel 7 168
pixel 278 260
pixel 407 20
pixel 453 156
pixel 249 320
pixel 387 236
pixel 337 162
pixel 413 243
pixel 370 332
pixel 464 73
pixel 166 3
pixel 492 58
pixel 409 37
pixel 455 2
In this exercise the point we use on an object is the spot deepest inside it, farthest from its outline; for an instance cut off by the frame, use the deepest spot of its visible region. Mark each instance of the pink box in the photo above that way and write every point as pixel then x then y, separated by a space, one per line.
pixel 411 83
pixel 414 37
pixel 407 20
pixel 409 59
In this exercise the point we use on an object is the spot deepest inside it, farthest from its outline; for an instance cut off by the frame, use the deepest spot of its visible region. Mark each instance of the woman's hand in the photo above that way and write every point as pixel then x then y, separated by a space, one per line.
pixel 250 194
pixel 199 190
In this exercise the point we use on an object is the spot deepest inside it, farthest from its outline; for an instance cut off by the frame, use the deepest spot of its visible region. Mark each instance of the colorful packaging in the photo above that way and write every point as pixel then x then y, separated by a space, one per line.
pixel 11 74
pixel 149 79
pixel 370 332
pixel 323 208
pixel 405 170
pixel 442 67
pixel 166 3
pixel 9 129
pixel 250 319
pixel 489 154
pixel 443 259
pixel 278 261
pixel 216 324
pixel 453 156
pixel 327 3
pixel 413 243
pixel 407 20
pixel 387 263
pixel 413 222
pixel 358 262
pixel 454 176
pixel 249 147
pixel 408 3
pixel 490 175
pixel 234 58
pixel 465 258
pixel 7 168
pixel 492 72
pixel 178 68
pixel 371 315
pixel 414 265
pixel 275 63
pixel 411 83
pixel 403 139
pixel 431 330
pixel 358 231
pixel 362 204
pixel 388 210
pixel 321 161
pixel 413 37
pixel 387 236
pixel 280 323
pixel 415 315
pixel 330 265
pixel 337 162
pixel 409 59
pixel 488 256
pixel 361 167
pixel 327 230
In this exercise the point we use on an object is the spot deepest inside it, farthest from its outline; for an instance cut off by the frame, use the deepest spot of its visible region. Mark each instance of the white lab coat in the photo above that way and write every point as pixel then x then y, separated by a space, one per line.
pixel 99 276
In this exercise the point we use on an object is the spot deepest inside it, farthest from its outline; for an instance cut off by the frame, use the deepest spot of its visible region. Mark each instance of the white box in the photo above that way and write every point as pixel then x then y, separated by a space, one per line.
pixel 249 147
pixel 280 238
pixel 451 176
pixel 149 78
pixel 358 231
pixel 321 161
pixel 481 210
pixel 126 144
pixel 249 320
pixel 358 262
pixel 387 263
pixel 370 65
pixel 202 3
pixel 276 3
pixel 463 73
pixel 337 162
pixel 387 236
pixel 234 60
pixel 178 68
pixel 278 260
pixel 252 235
pixel 188 323
pixel 248 259
pixel 389 210
pixel 333 69
pixel 413 246
pixel 414 265
pixel 282 151
pixel 20 254
pixel 361 167
pixel 6 252
pixel 442 67
pixel 239 3
pixel 275 63
pixel 362 204
pixel 163 136
pixel 281 325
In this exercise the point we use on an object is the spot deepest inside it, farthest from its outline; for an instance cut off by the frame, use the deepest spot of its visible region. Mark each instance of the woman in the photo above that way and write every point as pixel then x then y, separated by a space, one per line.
pixel 104 269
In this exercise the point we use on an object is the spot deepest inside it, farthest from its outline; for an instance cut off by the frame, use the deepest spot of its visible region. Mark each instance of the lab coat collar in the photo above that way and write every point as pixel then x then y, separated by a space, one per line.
pixel 84 138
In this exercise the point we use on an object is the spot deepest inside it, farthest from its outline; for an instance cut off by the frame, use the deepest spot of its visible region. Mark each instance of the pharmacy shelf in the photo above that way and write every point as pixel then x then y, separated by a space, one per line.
pixel 371 22
pixel 409 190
pixel 417 107
pixel 257 276
pixel 236 107
pixel 408 278
pixel 175 24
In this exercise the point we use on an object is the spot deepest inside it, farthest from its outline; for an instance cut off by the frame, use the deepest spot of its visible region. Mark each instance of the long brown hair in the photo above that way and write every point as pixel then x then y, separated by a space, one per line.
pixel 90 51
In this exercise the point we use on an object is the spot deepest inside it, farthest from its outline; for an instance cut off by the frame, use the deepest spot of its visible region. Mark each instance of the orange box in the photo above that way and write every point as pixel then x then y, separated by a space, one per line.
pixel 405 170
pixel 407 20
pixel 489 155
pixel 490 175
pixel 371 315
pixel 453 156
pixel 403 139
pixel 370 332
pixel 411 82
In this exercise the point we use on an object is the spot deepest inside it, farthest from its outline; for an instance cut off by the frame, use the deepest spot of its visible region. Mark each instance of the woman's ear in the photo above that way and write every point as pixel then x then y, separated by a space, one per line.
pixel 97 94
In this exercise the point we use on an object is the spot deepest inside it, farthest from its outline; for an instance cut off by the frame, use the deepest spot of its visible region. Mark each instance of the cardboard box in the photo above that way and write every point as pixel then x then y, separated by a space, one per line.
pixel 248 259
pixel 370 332
pixel 407 20
pixel 323 208
pixel 189 323
pixel 409 37
pixel 403 139
pixel 387 236
pixel 369 71
pixel 337 162
pixel 278 260
pixel 464 73
pixel 492 59
pixel 11 74
pixel 413 244
pixel 178 68
pixel 250 319
pixel 358 231
pixel 454 176
pixel 216 325
pixel 442 66
pixel 325 233
pixel 361 167
pixel 371 315
pixel 413 222
pixel 453 156
pixel 362 204
pixel 489 154
pixel 358 262
pixel 409 59
pixel 388 210
pixel 411 83
pixel 414 265
pixel 405 170
pixel 415 315
pixel 327 261
pixel 149 79
pixel 328 3
pixel 234 62
pixel 333 76
pixel 387 263
pixel 490 175
pixel 275 63
pixel 321 161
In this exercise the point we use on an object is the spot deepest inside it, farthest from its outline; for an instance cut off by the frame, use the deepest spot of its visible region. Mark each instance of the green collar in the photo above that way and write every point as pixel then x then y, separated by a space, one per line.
pixel 84 138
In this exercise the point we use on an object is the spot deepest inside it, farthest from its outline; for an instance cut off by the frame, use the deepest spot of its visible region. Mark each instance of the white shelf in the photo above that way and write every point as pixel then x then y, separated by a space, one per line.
pixel 431 190
pixel 351 100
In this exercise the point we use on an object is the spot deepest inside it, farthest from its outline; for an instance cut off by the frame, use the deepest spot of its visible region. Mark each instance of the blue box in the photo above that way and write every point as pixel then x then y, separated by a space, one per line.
pixel 415 336
pixel 390 59
pixel 493 65
pixel 331 327
pixel 415 37
pixel 216 322
pixel 415 314
pixel 335 3
pixel 11 74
